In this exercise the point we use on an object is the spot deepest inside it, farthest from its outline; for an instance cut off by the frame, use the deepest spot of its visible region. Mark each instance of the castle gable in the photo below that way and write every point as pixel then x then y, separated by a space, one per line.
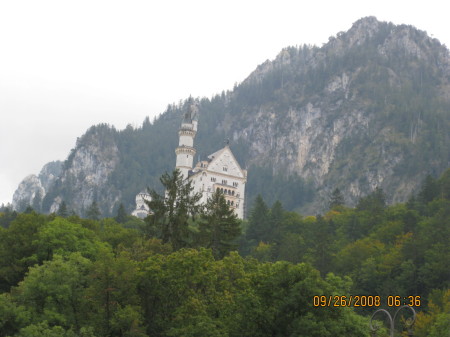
pixel 224 162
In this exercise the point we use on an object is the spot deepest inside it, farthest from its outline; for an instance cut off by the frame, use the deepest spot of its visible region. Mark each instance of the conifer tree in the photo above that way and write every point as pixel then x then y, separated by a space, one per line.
pixel 429 190
pixel 259 224
pixel 28 210
pixel 62 210
pixel 174 210
pixel 276 221
pixel 121 216
pixel 336 199
pixel 375 202
pixel 93 211
pixel 220 226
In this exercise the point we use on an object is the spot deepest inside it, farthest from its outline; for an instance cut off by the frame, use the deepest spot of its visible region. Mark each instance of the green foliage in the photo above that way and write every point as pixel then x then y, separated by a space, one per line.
pixel 12 316
pixel 127 322
pixel 7 215
pixel 235 297
pixel 18 248
pixel 121 216
pixel 385 250
pixel 62 210
pixel 429 191
pixel 173 211
pixel 374 203
pixel 76 277
pixel 53 292
pixel 114 305
pixel 219 227
pixel 63 237
pixel 259 224
pixel 291 190
pixel 436 320
pixel 93 212
pixel 43 329
pixel 116 234
pixel 336 198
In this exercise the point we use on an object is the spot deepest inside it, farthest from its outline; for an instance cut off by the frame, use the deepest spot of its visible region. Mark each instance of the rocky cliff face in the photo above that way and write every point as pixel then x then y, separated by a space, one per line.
pixel 371 108
pixel 343 133
pixel 29 188
pixel 33 188
pixel 85 174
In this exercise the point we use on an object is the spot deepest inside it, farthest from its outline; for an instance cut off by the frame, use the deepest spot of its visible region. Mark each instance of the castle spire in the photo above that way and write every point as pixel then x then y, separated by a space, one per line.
pixel 185 151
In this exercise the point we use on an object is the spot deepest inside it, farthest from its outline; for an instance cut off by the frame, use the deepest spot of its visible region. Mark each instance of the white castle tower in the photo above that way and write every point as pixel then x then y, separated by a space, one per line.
pixel 185 151
pixel 219 173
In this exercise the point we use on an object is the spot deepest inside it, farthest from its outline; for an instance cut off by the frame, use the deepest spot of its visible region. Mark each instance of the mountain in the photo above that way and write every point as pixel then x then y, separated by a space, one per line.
pixel 33 188
pixel 368 109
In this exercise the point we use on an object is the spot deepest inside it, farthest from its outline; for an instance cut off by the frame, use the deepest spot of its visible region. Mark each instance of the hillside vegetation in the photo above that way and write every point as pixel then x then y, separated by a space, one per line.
pixel 68 276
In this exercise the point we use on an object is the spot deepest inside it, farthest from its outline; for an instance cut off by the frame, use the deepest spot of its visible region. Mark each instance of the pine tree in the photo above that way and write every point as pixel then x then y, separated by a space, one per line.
pixel 259 224
pixel 121 216
pixel 28 210
pixel 220 226
pixel 276 221
pixel 174 210
pixel 429 190
pixel 375 202
pixel 93 211
pixel 336 199
pixel 62 210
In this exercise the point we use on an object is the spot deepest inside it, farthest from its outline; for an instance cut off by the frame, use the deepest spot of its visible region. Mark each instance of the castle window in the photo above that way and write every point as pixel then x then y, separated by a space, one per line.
pixel 232 193
pixel 218 190
pixel 235 184
pixel 225 169
pixel 224 182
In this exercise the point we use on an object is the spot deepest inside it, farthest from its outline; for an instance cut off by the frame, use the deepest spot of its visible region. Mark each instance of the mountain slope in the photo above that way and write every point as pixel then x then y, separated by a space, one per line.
pixel 371 108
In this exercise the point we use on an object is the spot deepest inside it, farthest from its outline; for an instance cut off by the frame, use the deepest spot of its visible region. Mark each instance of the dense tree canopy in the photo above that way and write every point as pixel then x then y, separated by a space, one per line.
pixel 78 277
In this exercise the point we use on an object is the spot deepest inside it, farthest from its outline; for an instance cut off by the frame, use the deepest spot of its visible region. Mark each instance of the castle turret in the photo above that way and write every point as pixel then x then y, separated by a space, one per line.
pixel 185 151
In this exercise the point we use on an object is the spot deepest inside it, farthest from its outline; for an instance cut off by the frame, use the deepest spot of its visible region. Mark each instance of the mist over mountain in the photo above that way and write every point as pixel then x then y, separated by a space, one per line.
pixel 368 109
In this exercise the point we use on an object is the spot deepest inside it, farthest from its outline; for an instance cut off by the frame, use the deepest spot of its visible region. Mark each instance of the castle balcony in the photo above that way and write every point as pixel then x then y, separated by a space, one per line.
pixel 183 149
pixel 187 127
pixel 187 132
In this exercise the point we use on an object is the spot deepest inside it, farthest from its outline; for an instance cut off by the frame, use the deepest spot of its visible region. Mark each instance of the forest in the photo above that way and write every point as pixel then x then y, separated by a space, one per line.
pixel 199 271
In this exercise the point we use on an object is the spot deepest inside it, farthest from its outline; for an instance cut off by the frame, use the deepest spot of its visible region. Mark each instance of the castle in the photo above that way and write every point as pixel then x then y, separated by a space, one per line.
pixel 220 172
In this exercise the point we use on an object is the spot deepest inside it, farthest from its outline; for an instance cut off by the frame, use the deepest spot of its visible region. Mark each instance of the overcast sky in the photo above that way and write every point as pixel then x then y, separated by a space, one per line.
pixel 66 65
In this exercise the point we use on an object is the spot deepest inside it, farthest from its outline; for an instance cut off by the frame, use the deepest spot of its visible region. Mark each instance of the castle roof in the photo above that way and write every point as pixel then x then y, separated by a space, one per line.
pixel 221 157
